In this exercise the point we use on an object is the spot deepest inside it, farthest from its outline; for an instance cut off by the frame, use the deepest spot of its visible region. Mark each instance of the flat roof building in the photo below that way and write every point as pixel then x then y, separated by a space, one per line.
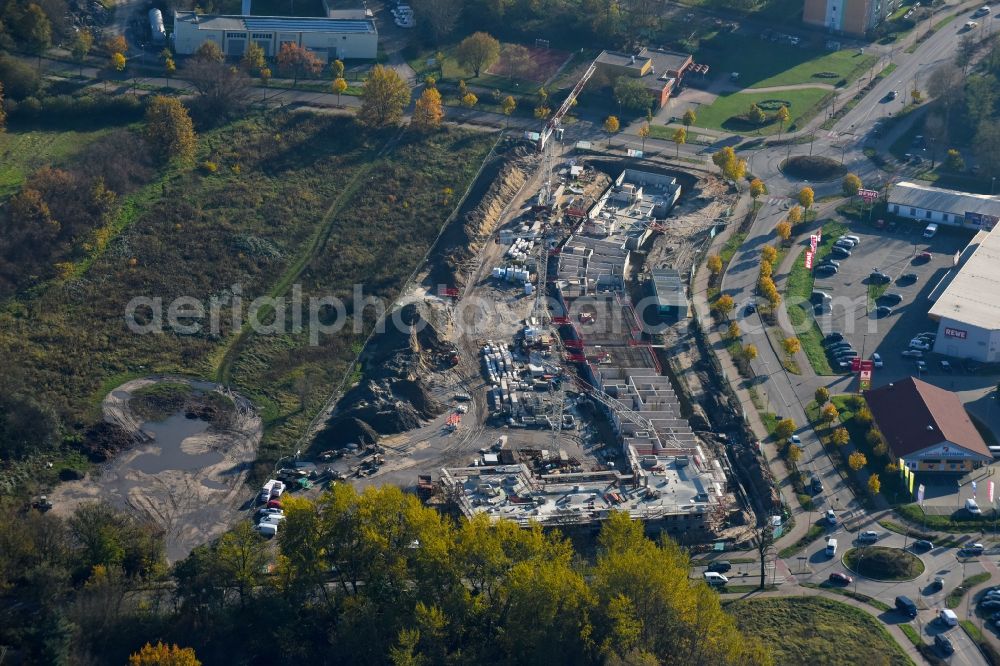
pixel 935 204
pixel 328 39
pixel 669 292
pixel 968 309
pixel 659 71
pixel 927 427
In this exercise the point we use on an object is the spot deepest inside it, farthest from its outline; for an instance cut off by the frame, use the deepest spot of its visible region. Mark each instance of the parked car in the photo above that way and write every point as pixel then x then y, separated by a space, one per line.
pixel 721 566
pixel 946 366
pixel 839 344
pixel 841 252
pixel 972 506
pixel 921 366
pixel 913 353
pixel 924 257
pixel 989 605
pixel 831 517
pixel 877 360
pixel 882 311
pixel 878 277
pixel 919 345
pixel 930 230
pixel 943 644
pixel 840 578
pixel 854 239
pixel 907 278
pixel 820 297
pixel 816 485
pixel 833 336
pixel 890 298
pixel 830 262
pixel 847 353
pixel 827 270
pixel 749 309
pixel 715 579
pixel 923 544
pixel 796 440
pixel 846 244
pixel 973 549
pixel 868 536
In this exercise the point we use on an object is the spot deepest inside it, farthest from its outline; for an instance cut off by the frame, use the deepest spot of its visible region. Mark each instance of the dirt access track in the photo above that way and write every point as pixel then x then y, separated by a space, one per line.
pixel 186 475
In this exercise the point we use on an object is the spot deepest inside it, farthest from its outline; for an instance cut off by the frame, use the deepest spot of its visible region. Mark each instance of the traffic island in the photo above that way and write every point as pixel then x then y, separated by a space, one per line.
pixel 883 564
pixel 812 168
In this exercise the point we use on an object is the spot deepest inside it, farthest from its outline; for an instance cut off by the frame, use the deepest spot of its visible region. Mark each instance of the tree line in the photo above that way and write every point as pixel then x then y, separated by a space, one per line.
pixel 363 578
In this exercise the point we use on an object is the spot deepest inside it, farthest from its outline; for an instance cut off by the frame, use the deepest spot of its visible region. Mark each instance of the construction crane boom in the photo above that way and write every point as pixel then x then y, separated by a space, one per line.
pixel 564 108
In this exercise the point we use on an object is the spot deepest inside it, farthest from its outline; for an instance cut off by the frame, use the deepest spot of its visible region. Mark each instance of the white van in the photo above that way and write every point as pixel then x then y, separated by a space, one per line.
pixel 831 547
pixel 973 507
pixel 947 617
pixel 715 579
pixel 268 529
pixel 930 230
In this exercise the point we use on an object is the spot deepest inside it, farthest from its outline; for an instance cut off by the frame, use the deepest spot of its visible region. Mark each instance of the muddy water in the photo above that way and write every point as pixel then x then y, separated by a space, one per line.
pixel 165 451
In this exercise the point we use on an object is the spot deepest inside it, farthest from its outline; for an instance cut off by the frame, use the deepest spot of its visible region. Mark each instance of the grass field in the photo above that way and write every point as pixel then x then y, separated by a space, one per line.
pixel 764 64
pixel 295 198
pixel 812 630
pixel 22 152
pixel 954 598
pixel 884 563
pixel 798 289
pixel 722 113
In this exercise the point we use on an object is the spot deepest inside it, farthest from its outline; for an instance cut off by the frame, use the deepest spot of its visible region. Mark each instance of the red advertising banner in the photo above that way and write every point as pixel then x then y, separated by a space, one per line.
pixel 809 259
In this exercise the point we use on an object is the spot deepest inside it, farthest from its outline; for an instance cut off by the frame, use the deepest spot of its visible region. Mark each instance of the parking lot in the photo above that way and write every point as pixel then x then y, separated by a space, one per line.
pixel 896 253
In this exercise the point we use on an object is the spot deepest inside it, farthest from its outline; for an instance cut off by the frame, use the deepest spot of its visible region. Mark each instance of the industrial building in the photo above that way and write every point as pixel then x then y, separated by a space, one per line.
pixel 849 17
pixel 966 306
pixel 948 207
pixel 927 427
pixel 659 71
pixel 327 38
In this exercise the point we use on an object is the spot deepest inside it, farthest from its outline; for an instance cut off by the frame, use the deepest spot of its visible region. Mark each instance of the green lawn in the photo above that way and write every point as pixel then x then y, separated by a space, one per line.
pixel 884 563
pixel 798 289
pixel 954 598
pixel 721 114
pixel 21 152
pixel 815 630
pixel 763 64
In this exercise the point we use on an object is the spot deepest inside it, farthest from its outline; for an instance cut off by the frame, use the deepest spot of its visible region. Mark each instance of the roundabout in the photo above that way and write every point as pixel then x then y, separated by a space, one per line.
pixel 883 564
pixel 812 168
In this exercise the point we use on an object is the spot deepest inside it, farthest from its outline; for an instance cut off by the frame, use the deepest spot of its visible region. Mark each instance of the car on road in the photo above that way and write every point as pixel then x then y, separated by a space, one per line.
pixel 943 644
pixel 972 506
pixel 882 311
pixel 749 309
pixel 923 544
pixel 714 578
pixel 816 485
pixel 796 440
pixel 877 360
pixel 840 578
pixel 878 277
pixel 832 337
pixel 921 366
pixel 891 95
pixel 831 517
pixel 937 584
pixel 890 298
pixel 841 252
pixel 868 536
pixel 973 549
pixel 913 353
pixel 907 278
pixel 947 617
pixel 982 11
pixel 721 566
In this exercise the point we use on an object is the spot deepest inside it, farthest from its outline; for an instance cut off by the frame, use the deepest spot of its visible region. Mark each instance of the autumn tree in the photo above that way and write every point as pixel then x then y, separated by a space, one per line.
pixel 874 484
pixel 733 332
pixel 478 51
pixel 723 305
pixel 169 67
pixel 781 115
pixel 791 345
pixel 794 215
pixel 822 395
pixel 806 197
pixel 427 112
pixel 254 59
pixel 793 453
pixel 36 29
pixel 757 188
pixel 83 42
pixel 337 69
pixel 507 106
pixel 864 415
pixel 118 62
pixel 769 253
pixel 722 157
pixel 384 95
pixel 339 86
pixel 518 59
pixel 169 130
pixel 840 436
pixel 611 126
pixel 469 100
pixel 643 133
pixel 679 138
pixel 784 428
pixel 714 263
pixel 850 185
pixel 118 44
pixel 209 51
pixel 689 118
pixel 857 460
pixel 829 414
pixel 163 655
pixel 749 352
pixel 765 269
pixel 298 60
pixel 784 231
pixel 756 115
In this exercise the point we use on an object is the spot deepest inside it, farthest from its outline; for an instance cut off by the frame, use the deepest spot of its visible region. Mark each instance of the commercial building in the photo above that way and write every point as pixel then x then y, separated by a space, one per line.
pixel 967 303
pixel 327 38
pixel 934 204
pixel 659 71
pixel 849 17
pixel 927 427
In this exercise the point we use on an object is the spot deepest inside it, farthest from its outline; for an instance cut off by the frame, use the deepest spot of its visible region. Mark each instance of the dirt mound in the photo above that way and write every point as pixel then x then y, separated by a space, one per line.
pixel 498 184
pixel 103 440
pixel 392 396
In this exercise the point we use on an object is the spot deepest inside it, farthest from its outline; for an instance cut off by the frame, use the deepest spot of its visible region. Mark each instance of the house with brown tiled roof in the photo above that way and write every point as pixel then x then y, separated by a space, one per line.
pixel 927 427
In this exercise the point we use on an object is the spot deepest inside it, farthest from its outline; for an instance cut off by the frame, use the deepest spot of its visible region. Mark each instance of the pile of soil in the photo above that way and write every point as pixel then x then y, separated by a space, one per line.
pixel 104 440
pixel 498 184
pixel 392 396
